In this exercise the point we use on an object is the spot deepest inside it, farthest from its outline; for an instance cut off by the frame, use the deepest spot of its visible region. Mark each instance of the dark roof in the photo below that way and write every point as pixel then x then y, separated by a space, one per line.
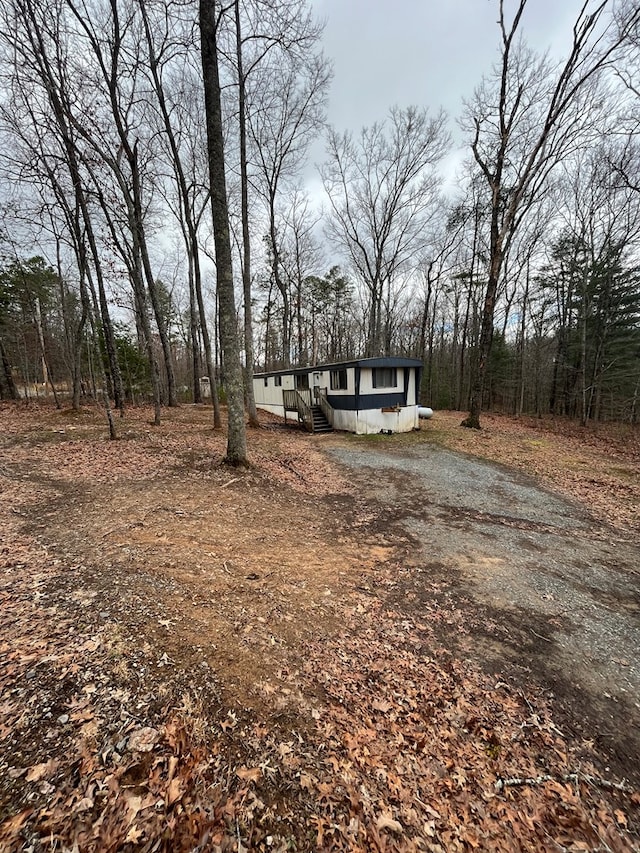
pixel 379 361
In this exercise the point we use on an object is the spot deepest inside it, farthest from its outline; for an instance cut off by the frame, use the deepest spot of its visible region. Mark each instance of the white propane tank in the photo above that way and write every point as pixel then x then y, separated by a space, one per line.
pixel 425 412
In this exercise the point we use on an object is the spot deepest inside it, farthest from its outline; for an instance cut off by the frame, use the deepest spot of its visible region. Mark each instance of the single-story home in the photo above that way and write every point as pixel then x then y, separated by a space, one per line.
pixel 365 395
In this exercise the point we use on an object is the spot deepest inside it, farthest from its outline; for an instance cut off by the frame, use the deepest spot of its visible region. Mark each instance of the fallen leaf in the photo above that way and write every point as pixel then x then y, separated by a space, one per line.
pixel 11 826
pixel 134 835
pixel 174 791
pixel 253 774
pixel 143 740
pixel 230 723
pixel 16 772
pixel 306 782
pixel 621 818
pixel 84 805
pixel 42 771
pixel 134 804
pixel 387 822
pixel 89 729
pixel 173 763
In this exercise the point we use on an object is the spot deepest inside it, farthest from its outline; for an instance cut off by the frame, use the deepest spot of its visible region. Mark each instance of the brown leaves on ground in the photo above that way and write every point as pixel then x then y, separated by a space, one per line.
pixel 416 743
pixel 191 659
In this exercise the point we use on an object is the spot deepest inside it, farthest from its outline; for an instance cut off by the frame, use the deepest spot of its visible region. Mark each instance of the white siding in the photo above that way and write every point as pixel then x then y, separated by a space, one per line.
pixel 345 420
pixel 269 396
pixel 412 397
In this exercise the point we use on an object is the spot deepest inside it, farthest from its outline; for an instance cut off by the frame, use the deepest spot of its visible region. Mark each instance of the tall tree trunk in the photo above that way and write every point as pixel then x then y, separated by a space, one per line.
pixel 142 311
pixel 236 437
pixel 246 237
pixel 141 240
pixel 488 311
pixel 91 315
pixel 47 379
pixel 268 349
pixel 143 324
pixel 280 284
pixel 8 374
pixel 208 349
pixel 194 334
pixel 424 320
pixel 191 221
pixel 114 376
pixel 73 348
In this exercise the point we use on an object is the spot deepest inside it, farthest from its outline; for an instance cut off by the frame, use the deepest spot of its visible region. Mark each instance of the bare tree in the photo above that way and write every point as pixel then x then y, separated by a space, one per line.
pixel 593 274
pixel 625 156
pixel 37 37
pixel 522 122
pixel 209 19
pixel 109 36
pixel 288 109
pixel 176 120
pixel 301 258
pixel 383 189
pixel 264 29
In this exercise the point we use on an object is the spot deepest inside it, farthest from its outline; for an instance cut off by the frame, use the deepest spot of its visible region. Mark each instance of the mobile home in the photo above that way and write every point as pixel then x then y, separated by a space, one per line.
pixel 364 396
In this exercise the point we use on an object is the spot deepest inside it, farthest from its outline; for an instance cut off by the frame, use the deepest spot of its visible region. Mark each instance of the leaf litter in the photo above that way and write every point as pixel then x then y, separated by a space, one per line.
pixel 193 665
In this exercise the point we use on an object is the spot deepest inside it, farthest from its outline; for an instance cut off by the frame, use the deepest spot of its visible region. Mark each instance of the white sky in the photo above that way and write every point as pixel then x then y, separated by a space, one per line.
pixel 424 52
pixel 428 53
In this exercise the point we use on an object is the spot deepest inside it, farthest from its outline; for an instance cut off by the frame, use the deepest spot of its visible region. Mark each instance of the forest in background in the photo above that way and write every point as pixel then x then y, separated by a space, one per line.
pixel 519 289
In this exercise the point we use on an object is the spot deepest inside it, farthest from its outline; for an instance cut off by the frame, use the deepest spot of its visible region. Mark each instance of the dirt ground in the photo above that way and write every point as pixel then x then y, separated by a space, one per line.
pixel 548 594
pixel 357 644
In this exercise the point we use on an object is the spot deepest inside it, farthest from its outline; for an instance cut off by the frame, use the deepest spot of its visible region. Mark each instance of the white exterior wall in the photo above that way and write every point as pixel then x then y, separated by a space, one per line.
pixel 412 396
pixel 363 422
pixel 372 421
pixel 322 378
pixel 345 420
pixel 319 378
pixel 269 397
pixel 375 420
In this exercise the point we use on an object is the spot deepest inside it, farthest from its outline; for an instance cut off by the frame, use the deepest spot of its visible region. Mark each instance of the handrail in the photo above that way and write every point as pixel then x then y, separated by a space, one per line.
pixel 305 396
pixel 294 400
pixel 325 405
pixel 290 400
pixel 304 410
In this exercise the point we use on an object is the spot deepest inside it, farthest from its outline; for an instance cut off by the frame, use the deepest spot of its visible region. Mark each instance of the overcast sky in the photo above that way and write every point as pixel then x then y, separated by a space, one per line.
pixel 428 53
pixel 424 52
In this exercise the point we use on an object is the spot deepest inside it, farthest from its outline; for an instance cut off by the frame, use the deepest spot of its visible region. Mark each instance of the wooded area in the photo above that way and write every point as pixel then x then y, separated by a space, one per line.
pixel 519 289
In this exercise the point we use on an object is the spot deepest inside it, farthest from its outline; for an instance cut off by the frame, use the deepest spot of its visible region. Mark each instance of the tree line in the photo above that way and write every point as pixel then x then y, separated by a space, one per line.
pixel 158 241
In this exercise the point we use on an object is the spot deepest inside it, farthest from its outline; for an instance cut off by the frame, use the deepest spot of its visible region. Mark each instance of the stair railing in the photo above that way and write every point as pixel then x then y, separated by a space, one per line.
pixel 299 400
pixel 325 405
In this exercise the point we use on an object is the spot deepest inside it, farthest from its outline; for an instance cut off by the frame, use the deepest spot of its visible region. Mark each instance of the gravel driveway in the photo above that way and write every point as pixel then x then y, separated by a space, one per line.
pixel 552 596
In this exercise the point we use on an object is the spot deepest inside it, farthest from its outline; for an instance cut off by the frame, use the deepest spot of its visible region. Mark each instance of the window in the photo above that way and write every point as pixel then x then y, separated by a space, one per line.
pixel 338 380
pixel 384 377
pixel 266 381
pixel 302 381
pixel 277 381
